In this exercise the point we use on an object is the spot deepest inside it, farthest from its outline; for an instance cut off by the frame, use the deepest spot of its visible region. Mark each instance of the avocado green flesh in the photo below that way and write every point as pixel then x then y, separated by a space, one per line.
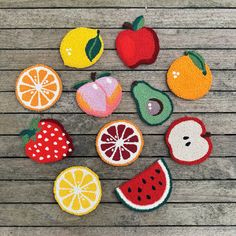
pixel 154 106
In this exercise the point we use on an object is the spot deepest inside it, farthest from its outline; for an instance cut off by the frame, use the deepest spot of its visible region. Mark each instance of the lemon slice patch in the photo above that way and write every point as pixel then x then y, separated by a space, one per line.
pixel 77 190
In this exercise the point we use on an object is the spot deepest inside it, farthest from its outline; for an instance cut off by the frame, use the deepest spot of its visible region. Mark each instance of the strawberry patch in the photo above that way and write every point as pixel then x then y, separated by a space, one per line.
pixel 46 141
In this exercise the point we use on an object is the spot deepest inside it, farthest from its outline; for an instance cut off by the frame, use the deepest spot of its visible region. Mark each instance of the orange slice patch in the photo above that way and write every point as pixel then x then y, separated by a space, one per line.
pixel 38 88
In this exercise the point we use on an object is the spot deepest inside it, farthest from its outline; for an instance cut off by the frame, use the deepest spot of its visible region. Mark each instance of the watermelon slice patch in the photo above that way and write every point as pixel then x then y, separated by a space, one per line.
pixel 148 190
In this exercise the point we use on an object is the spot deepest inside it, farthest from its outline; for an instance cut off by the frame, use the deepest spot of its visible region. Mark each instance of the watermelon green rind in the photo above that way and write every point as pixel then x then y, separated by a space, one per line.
pixel 157 204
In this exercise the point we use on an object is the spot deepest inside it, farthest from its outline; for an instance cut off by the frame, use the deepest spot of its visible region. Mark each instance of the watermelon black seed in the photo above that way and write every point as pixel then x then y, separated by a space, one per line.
pixel 139 190
pixel 153 187
pixel 144 181
pixel 160 182
pixel 157 171
pixel 148 197
pixel 185 137
pixel 152 178
pixel 129 189
pixel 139 198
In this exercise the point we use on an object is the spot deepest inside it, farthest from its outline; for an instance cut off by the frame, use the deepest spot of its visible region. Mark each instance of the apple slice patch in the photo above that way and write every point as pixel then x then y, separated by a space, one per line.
pixel 188 141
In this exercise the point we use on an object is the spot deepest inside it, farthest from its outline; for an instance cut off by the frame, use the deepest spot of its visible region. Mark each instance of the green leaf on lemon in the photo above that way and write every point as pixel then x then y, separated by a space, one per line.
pixel 80 84
pixel 138 23
pixel 103 74
pixel 93 47
pixel 198 60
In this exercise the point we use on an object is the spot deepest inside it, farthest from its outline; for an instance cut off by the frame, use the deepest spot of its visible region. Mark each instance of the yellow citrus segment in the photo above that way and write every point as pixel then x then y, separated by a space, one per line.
pixel 73 47
pixel 77 190
pixel 38 88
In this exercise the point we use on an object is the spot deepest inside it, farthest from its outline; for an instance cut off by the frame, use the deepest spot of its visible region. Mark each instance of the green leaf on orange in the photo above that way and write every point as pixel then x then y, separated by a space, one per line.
pixel 103 74
pixel 198 60
pixel 80 84
pixel 138 23
pixel 93 47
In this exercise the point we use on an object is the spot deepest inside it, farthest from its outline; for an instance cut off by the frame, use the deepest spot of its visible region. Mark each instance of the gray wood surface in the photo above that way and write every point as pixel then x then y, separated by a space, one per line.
pixel 203 200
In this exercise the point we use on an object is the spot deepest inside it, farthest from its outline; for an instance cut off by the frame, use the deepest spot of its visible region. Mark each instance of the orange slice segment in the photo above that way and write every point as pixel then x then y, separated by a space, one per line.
pixel 38 87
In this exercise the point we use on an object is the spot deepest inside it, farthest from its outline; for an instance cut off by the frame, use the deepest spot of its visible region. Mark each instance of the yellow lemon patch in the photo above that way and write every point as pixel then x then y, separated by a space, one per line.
pixel 77 190
pixel 81 47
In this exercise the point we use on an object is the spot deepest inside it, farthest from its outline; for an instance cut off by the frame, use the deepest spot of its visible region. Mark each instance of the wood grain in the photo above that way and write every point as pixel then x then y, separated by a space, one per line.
pixel 13 124
pixel 117 3
pixel 183 191
pixel 24 169
pixel 12 59
pixel 213 102
pixel 85 145
pixel 222 80
pixel 169 38
pixel 114 18
pixel 117 231
pixel 51 215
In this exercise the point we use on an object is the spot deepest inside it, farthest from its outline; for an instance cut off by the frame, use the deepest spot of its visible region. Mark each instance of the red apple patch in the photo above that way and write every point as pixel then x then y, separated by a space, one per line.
pixel 46 141
pixel 188 141
pixel 137 44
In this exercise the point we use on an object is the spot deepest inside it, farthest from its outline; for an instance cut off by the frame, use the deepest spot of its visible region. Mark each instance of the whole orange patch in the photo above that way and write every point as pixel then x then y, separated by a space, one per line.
pixel 188 81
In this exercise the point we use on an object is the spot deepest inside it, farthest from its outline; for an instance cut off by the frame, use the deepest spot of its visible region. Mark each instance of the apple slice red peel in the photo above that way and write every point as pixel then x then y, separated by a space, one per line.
pixel 188 141
pixel 137 44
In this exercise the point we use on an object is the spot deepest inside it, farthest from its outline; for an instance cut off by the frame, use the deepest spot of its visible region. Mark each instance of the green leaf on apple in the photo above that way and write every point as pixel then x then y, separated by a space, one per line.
pixel 103 74
pixel 138 23
pixel 80 84
pixel 93 47
pixel 198 60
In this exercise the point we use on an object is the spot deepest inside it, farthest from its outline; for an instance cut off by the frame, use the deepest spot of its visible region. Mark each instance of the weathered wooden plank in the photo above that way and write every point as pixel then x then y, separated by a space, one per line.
pixel 223 80
pixel 51 215
pixel 25 169
pixel 183 191
pixel 116 231
pixel 85 146
pixel 106 18
pixel 212 102
pixel 169 38
pixel 15 123
pixel 117 3
pixel 12 59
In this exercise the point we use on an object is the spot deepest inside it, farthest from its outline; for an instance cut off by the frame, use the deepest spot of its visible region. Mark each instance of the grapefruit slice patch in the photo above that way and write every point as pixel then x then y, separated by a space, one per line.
pixel 119 143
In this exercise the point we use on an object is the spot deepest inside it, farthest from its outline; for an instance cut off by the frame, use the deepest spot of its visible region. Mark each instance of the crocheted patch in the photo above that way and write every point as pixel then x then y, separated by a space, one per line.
pixel 148 190
pixel 100 97
pixel 188 141
pixel 38 88
pixel 137 44
pixel 189 77
pixel 46 141
pixel 119 143
pixel 81 47
pixel 77 190
pixel 154 106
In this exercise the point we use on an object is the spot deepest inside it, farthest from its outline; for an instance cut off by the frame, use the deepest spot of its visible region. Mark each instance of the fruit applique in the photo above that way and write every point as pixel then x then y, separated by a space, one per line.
pixel 137 44
pixel 154 106
pixel 77 190
pixel 188 141
pixel 148 190
pixel 119 143
pixel 81 47
pixel 189 77
pixel 38 88
pixel 46 141
pixel 100 97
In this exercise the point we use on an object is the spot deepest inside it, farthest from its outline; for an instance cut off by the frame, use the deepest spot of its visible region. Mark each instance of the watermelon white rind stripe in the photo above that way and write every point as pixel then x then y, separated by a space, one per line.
pixel 158 203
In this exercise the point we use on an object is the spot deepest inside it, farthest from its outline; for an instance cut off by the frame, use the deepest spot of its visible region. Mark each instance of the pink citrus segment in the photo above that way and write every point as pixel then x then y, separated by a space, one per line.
pixel 119 143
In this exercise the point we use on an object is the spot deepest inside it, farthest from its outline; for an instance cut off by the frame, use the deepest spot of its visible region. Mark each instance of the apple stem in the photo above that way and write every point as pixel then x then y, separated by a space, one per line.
pixel 93 76
pixel 206 135
pixel 127 25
